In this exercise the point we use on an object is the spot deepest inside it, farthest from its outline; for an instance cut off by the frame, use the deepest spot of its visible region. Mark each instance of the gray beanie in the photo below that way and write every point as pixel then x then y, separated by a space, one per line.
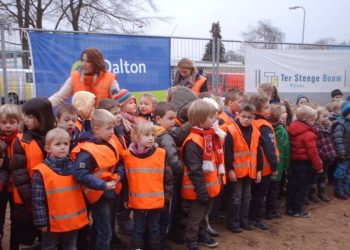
pixel 180 96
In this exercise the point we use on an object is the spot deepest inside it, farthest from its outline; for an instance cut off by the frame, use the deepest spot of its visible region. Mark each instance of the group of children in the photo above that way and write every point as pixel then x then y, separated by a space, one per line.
pixel 171 166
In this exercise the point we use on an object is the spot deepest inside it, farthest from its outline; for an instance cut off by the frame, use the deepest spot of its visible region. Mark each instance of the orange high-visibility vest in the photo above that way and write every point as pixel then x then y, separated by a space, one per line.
pixel 65 202
pixel 101 88
pixel 211 179
pixel 227 121
pixel 121 145
pixel 197 85
pixel 244 157
pixel 106 159
pixel 34 156
pixel 145 179
pixel 79 125
pixel 266 165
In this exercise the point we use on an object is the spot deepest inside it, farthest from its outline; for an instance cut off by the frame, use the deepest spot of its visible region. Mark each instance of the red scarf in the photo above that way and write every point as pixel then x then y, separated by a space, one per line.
pixel 212 145
pixel 8 138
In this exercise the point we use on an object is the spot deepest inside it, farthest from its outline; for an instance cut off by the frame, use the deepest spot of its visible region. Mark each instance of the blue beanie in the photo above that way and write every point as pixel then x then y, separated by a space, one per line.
pixel 301 96
pixel 345 109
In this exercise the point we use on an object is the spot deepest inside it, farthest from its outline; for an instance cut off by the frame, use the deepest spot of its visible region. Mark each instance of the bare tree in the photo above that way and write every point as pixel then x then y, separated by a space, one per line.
pixel 264 33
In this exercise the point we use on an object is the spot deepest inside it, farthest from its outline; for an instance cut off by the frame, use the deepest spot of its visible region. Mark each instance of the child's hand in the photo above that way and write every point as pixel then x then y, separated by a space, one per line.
pixel 110 185
pixel 320 171
pixel 258 177
pixel 1 162
pixel 126 204
pixel 43 229
pixel 275 173
pixel 232 176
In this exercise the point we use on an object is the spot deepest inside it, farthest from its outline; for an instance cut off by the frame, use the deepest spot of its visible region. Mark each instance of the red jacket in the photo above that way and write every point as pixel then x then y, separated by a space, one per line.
pixel 303 144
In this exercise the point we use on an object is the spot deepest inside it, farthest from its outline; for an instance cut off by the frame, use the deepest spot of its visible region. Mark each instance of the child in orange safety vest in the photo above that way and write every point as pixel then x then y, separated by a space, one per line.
pixel 243 161
pixel 203 157
pixel 99 169
pixel 149 183
pixel 59 208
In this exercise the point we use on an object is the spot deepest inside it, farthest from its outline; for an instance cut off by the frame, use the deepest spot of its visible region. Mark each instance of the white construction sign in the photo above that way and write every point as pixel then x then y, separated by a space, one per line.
pixel 297 70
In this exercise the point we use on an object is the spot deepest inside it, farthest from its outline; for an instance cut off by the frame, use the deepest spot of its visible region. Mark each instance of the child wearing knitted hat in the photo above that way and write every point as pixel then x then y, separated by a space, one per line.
pixel 127 103
pixel 341 137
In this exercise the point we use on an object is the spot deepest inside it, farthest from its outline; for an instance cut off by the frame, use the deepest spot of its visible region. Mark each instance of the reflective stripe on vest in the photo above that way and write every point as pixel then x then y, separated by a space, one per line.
pixel 106 158
pixel 244 157
pixel 211 179
pixel 197 85
pixel 266 165
pixel 65 202
pixel 145 179
pixel 34 156
pixel 101 88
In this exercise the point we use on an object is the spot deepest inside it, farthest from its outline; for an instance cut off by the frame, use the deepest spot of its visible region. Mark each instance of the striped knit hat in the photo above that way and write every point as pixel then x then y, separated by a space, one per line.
pixel 122 97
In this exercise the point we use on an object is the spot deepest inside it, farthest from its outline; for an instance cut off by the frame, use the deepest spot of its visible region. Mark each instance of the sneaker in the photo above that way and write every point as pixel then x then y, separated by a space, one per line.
pixel 314 198
pixel 192 245
pixel 207 241
pixel 234 229
pixel 323 197
pixel 212 232
pixel 273 215
pixel 261 225
pixel 247 226
pixel 341 196
pixel 303 214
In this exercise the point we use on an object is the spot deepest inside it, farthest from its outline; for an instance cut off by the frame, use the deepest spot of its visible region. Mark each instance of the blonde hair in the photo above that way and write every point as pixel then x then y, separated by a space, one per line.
pixel 56 134
pixel 199 111
pixel 151 97
pixel 258 101
pixel 321 110
pixel 266 89
pixel 142 128
pixel 304 112
pixel 101 117
pixel 220 103
pixel 276 112
pixel 11 111
pixel 334 106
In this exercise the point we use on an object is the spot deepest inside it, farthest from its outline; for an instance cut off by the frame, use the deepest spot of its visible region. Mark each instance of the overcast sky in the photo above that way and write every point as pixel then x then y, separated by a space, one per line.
pixel 193 18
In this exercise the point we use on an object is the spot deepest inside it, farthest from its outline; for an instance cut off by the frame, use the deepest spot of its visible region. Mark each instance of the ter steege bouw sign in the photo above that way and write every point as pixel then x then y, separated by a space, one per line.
pixel 297 70
pixel 141 63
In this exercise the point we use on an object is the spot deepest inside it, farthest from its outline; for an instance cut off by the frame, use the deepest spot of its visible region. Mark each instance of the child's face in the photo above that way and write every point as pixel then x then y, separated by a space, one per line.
pixel 105 132
pixel 246 118
pixel 347 116
pixel 311 120
pixel 302 101
pixel 208 123
pixel 337 98
pixel 265 110
pixel 130 107
pixel 168 120
pixel 67 122
pixel 284 115
pixel 146 106
pixel 117 114
pixel 323 119
pixel 235 105
pixel 8 125
pixel 58 148
pixel 146 141
pixel 30 121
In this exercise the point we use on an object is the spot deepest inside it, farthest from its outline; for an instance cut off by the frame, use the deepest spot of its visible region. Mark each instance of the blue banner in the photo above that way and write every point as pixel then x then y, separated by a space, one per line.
pixel 140 63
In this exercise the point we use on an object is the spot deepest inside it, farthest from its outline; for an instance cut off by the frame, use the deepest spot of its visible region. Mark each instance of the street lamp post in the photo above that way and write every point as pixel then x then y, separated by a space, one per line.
pixel 300 7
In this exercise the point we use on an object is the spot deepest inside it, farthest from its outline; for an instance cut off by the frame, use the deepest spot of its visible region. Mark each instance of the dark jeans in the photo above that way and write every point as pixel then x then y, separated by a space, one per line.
pixel 176 209
pixel 68 240
pixel 272 197
pixel 238 202
pixel 259 193
pixel 24 231
pixel 164 223
pixel 101 223
pixel 143 219
pixel 299 179
pixel 195 223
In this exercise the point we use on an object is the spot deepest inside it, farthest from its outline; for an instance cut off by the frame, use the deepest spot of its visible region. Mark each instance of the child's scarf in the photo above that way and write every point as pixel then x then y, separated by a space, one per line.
pixel 131 118
pixel 212 145
pixel 8 138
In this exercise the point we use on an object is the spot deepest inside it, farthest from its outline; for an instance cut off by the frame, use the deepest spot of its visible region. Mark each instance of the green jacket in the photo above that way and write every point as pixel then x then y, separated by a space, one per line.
pixel 282 140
